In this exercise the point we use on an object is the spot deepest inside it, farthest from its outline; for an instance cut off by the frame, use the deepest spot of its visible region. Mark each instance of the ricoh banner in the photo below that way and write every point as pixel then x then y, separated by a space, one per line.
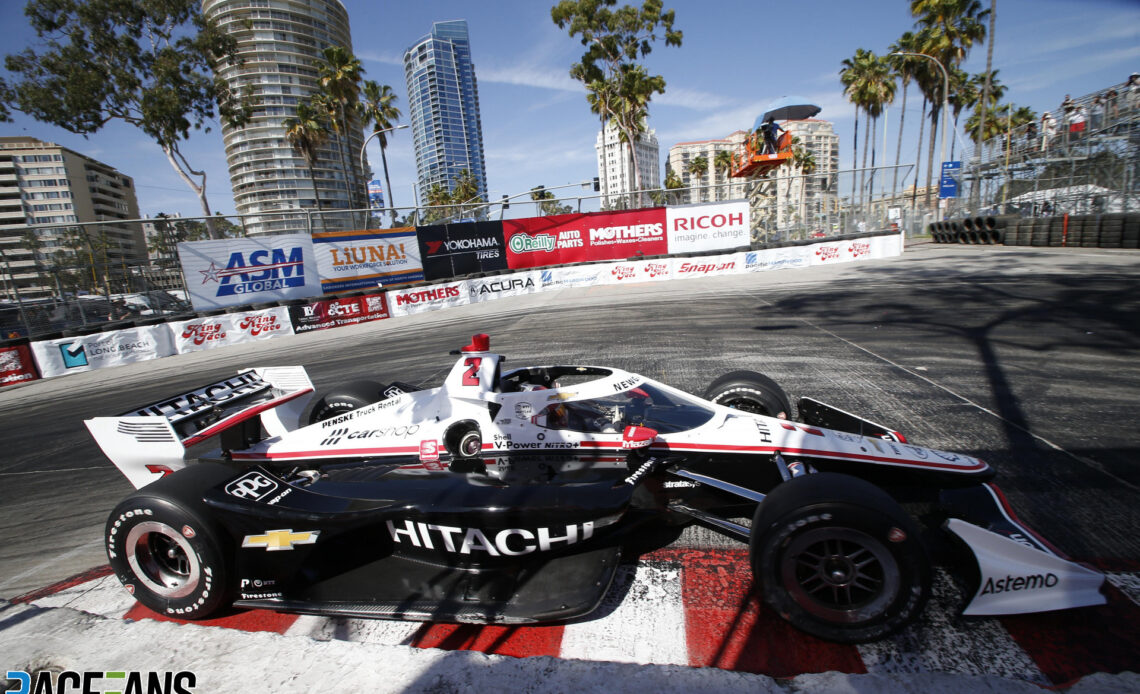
pixel 577 238
pixel 100 350
pixel 229 329
pixel 236 272
pixel 352 260
pixel 711 227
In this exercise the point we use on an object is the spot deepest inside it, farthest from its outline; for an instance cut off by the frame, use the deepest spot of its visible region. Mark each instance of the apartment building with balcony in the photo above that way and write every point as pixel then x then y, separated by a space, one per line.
pixel 716 183
pixel 279 43
pixel 46 191
pixel 615 170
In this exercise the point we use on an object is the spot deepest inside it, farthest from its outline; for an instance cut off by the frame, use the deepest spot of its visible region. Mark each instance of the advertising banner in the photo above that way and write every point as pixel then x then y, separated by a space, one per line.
pixel 575 276
pixel 17 365
pixel 711 227
pixel 640 271
pixel 100 350
pixel 517 284
pixel 352 260
pixel 404 302
pixel 232 272
pixel 577 238
pixel 708 266
pixel 333 313
pixel 230 329
pixel 451 250
pixel 777 259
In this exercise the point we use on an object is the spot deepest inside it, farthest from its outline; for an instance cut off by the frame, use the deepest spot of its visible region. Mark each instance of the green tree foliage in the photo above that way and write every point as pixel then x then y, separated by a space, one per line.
pixel 149 64
pixel 339 74
pixel 618 87
pixel 546 202
pixel 306 132
pixel 460 201
pixel 171 231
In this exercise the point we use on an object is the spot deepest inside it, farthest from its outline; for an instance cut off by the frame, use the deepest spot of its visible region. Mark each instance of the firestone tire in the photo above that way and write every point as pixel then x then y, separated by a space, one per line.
pixel 751 392
pixel 346 398
pixel 169 556
pixel 839 559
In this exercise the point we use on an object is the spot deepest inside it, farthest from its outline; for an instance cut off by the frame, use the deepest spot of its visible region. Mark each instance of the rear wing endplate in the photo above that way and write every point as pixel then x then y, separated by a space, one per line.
pixel 150 441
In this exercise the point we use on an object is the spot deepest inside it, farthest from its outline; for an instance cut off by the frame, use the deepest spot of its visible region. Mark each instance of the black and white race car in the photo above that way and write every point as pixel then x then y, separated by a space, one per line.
pixel 507 496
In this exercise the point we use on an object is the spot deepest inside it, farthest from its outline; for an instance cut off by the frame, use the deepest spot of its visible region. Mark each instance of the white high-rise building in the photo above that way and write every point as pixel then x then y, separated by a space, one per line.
pixel 615 170
pixel 279 41
pixel 717 182
pixel 809 200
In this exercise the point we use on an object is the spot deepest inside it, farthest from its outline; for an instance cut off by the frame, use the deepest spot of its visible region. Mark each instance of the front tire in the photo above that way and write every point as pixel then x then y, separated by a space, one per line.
pixel 838 558
pixel 750 392
pixel 167 553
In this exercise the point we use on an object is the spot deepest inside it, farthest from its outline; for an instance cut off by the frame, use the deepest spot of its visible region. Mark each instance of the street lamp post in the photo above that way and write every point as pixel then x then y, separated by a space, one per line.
pixel 945 110
pixel 365 145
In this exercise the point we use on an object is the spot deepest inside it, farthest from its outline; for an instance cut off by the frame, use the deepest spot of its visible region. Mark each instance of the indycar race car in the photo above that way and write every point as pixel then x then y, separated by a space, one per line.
pixel 507 496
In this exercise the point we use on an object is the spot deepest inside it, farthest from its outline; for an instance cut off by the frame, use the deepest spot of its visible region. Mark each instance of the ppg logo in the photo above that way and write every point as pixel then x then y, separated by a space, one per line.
pixel 252 486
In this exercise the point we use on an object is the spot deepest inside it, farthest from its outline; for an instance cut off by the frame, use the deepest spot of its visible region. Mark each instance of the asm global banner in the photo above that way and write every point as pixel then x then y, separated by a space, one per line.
pixel 351 260
pixel 236 272
pixel 577 238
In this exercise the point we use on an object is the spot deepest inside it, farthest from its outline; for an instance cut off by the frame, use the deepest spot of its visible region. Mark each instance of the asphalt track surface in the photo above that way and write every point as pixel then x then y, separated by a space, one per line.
pixel 1024 357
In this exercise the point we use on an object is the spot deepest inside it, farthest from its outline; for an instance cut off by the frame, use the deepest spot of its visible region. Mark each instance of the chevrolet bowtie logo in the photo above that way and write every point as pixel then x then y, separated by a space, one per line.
pixel 278 540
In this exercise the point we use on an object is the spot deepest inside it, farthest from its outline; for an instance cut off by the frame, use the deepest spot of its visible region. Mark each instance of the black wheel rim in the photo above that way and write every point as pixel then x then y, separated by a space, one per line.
pixel 745 404
pixel 163 560
pixel 841 575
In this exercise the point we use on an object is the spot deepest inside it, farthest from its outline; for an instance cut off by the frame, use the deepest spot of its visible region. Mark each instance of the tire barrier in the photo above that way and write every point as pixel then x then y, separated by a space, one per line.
pixel 1110 230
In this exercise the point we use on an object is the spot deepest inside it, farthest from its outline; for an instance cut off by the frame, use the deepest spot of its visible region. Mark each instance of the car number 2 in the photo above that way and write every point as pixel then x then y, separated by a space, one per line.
pixel 471 375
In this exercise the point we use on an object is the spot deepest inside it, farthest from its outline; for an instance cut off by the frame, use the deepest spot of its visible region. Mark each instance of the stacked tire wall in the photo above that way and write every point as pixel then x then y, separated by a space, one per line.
pixel 1113 230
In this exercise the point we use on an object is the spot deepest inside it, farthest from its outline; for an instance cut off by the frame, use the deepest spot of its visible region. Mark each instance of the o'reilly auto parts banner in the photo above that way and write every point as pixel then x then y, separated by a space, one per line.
pixel 333 313
pixel 230 329
pixel 712 227
pixel 577 238
pixel 100 350
pixel 234 272
pixel 451 250
pixel 351 260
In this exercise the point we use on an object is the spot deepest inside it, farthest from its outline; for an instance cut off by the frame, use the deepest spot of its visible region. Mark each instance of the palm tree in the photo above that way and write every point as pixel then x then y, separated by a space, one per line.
pixel 722 161
pixel 869 84
pixel 851 77
pixel 306 133
pixel 804 160
pixel 698 166
pixel 465 191
pixel 378 107
pixel 673 182
pixel 905 67
pixel 339 74
pixel 951 27
pixel 879 90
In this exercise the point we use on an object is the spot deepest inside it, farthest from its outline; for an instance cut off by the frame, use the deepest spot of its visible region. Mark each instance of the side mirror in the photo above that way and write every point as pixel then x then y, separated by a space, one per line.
pixel 636 438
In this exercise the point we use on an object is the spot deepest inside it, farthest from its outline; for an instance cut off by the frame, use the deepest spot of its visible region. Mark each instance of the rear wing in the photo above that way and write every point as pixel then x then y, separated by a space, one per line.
pixel 150 441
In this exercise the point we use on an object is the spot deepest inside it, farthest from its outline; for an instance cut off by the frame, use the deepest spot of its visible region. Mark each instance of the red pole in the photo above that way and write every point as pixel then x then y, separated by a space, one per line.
pixel 1065 231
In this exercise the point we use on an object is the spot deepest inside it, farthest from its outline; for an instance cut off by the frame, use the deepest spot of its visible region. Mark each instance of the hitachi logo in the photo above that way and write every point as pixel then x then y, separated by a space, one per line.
pixel 1014 583
pixel 511 542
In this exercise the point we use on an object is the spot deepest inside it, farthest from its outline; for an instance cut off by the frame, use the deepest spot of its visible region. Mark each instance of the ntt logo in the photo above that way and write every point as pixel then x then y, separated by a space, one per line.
pixel 522 243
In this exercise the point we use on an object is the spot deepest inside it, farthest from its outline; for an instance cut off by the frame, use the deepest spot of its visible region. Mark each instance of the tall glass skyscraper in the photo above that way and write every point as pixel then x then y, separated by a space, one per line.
pixel 278 43
pixel 444 101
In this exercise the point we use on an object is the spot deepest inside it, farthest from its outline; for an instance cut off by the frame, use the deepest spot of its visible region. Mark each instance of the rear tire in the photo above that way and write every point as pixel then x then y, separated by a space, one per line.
pixel 346 398
pixel 838 558
pixel 750 392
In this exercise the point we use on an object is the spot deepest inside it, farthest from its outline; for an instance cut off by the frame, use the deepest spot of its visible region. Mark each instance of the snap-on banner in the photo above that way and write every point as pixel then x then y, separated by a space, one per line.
pixel 718 226
pixel 236 272
pixel 334 313
pixel 100 350
pixel 352 260
pixel 579 238
pixel 17 365
pixel 465 248
pixel 230 329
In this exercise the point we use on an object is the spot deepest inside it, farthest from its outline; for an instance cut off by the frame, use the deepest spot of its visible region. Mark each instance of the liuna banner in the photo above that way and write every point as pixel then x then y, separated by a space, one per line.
pixel 579 238
pixel 236 272
pixel 101 350
pixel 352 260
pixel 466 248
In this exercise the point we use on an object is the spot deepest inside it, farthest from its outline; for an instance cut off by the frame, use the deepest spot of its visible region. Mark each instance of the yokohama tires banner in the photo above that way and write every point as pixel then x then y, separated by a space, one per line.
pixel 578 238
pixel 451 250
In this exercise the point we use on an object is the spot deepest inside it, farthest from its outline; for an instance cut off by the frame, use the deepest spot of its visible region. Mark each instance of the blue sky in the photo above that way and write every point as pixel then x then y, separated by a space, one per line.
pixel 737 56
